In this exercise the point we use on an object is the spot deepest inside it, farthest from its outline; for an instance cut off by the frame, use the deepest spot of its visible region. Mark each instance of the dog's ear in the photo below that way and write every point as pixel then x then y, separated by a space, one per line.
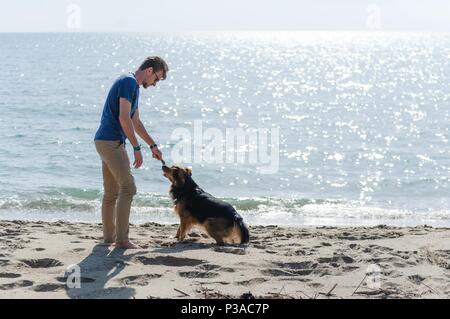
pixel 189 171
pixel 179 178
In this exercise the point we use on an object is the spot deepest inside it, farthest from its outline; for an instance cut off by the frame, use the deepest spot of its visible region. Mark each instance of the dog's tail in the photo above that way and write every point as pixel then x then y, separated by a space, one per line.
pixel 245 235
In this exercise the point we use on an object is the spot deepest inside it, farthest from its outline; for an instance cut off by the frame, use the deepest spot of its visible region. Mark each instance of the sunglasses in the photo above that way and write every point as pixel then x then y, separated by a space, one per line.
pixel 157 78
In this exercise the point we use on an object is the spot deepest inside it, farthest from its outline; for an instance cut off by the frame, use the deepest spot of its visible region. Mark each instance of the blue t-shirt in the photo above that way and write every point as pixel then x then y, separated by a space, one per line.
pixel 110 129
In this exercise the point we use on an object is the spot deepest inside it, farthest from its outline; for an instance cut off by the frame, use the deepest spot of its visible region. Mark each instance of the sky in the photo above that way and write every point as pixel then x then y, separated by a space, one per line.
pixel 215 15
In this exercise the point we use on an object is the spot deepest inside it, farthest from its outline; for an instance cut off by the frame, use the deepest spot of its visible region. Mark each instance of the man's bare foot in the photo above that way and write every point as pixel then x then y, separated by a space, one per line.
pixel 127 245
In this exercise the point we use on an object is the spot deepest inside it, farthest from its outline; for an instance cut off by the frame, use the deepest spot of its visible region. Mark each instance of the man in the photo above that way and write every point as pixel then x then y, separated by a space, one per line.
pixel 120 120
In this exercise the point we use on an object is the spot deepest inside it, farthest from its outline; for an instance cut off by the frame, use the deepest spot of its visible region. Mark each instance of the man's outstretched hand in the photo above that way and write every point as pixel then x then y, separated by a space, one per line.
pixel 156 153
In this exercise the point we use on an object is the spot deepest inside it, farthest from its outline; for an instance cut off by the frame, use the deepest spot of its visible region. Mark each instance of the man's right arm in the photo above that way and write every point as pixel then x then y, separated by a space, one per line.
pixel 127 126
pixel 126 122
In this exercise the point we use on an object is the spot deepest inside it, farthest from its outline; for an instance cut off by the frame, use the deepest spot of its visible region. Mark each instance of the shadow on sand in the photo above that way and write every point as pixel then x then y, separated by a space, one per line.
pixel 99 267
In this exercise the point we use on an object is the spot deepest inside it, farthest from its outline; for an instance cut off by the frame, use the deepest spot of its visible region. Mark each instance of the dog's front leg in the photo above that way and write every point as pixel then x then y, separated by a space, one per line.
pixel 182 232
pixel 182 229
pixel 177 236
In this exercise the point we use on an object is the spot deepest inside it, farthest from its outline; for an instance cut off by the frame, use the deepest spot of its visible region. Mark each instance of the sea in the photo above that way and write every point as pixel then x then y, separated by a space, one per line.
pixel 353 125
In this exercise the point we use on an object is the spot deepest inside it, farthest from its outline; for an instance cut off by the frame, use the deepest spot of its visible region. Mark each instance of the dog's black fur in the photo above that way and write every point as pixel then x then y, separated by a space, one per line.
pixel 197 207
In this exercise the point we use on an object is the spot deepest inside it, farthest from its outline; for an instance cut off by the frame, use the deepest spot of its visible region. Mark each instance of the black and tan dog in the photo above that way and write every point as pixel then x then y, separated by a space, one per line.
pixel 195 207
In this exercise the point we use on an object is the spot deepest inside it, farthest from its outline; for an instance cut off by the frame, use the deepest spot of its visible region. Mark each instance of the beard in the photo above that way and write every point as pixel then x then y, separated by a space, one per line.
pixel 145 84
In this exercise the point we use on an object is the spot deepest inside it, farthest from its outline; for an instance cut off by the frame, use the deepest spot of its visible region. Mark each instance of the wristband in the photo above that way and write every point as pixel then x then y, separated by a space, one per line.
pixel 153 146
pixel 137 148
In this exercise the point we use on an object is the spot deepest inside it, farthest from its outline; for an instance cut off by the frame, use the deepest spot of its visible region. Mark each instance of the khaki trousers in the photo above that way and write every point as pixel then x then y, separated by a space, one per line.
pixel 119 189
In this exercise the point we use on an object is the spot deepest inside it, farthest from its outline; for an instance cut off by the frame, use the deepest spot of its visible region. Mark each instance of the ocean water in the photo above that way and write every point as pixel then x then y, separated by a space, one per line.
pixel 363 122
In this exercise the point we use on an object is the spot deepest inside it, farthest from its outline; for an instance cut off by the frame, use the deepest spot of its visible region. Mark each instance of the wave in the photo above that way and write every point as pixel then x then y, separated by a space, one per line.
pixel 88 200
pixel 85 205
pixel 47 204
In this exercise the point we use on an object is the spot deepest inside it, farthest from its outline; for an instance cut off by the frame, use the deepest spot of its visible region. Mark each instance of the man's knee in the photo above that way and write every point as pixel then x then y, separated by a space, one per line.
pixel 110 196
pixel 128 188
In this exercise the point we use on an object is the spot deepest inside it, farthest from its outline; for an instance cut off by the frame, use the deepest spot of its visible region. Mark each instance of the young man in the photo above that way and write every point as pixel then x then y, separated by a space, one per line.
pixel 120 120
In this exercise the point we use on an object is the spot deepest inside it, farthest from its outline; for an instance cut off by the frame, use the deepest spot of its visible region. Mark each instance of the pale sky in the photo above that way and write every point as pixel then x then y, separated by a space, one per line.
pixel 212 15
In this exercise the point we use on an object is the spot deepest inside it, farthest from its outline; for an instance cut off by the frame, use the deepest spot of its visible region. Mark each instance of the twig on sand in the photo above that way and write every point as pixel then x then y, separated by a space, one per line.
pixel 329 293
pixel 360 284
pixel 210 293
pixel 434 291
pixel 309 297
pixel 280 295
pixel 203 289
pixel 182 292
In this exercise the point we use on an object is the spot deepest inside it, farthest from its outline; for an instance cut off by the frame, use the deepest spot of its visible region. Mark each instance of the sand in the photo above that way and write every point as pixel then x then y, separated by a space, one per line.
pixel 279 262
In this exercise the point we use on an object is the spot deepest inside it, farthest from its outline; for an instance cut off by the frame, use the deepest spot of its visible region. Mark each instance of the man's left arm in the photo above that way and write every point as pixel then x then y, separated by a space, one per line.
pixel 142 132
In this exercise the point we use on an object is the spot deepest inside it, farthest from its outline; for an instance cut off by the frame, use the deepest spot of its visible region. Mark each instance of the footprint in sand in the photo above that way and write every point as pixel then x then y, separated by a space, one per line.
pixel 336 259
pixel 73 233
pixel 197 274
pixel 350 268
pixel 48 287
pixel 290 272
pixel 9 275
pixel 391 272
pixel 315 285
pixel 399 265
pixel 142 234
pixel 82 279
pixel 299 265
pixel 42 263
pixel 169 261
pixel 230 250
pixel 252 281
pixel 209 267
pixel 12 232
pixel 90 237
pixel 17 284
pixel 227 269
pixel 77 250
pixel 219 282
pixel 258 246
pixel 300 252
pixel 4 262
pixel 139 280
pixel 417 279
pixel 396 261
pixel 441 258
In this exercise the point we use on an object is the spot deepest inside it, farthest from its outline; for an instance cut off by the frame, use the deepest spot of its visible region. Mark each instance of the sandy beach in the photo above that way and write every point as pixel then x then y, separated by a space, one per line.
pixel 279 262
